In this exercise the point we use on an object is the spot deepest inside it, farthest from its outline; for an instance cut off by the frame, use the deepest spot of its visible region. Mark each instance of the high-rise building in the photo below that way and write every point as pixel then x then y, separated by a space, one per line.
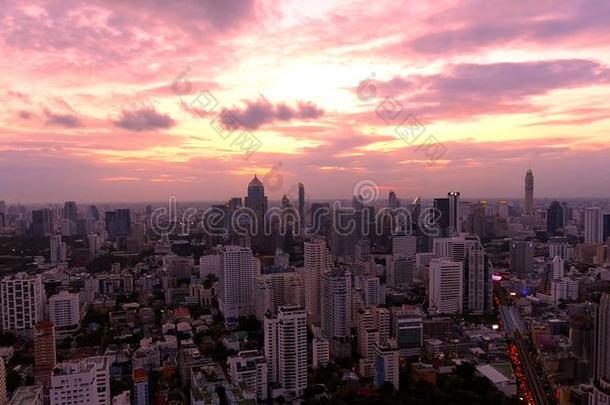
pixel 529 192
pixel 336 292
pixel 42 222
pixel 58 249
pixel 248 369
pixel 405 246
pixel 80 382
pixel 64 312
pixel 274 290
pixel 445 289
pixel 408 331
pixel 454 213
pixel 601 377
pixel 443 216
pixel 236 282
pixel 478 286
pixel 521 256
pixel 393 201
pixel 317 261
pixel 44 353
pixel 70 211
pixel 118 223
pixel 286 349
pixel 257 202
pixel 594 225
pixel 554 218
pixel 22 299
pixel 387 366
pixel 606 226
pixel 301 205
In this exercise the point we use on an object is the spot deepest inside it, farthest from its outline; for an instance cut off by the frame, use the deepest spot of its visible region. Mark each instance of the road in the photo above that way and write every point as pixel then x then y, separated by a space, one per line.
pixel 514 329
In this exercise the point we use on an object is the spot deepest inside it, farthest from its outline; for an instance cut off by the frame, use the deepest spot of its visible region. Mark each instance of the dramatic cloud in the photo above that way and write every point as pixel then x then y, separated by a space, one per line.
pixel 145 119
pixel 61 120
pixel 467 90
pixel 262 112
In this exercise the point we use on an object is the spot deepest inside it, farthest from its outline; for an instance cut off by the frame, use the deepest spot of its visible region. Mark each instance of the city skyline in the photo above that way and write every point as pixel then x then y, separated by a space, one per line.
pixel 119 102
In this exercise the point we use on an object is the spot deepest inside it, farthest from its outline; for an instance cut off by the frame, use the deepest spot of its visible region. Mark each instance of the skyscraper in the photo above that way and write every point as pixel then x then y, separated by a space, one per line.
pixel 594 225
pixel 41 222
pixel 44 353
pixel 554 218
pixel 521 256
pixel 454 213
pixel 601 392
pixel 286 349
pixel 301 205
pixel 118 223
pixel 317 261
pixel 443 221
pixel 445 289
pixel 3 394
pixel 236 282
pixel 70 211
pixel 478 287
pixel 393 202
pixel 336 304
pixel 529 192
pixel 257 202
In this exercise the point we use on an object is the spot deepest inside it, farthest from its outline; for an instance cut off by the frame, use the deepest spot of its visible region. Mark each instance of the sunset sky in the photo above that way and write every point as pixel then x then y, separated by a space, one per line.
pixel 99 98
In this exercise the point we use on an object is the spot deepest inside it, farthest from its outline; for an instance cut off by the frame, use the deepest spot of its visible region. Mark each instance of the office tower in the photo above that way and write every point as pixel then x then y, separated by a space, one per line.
pixel 446 286
pixel 345 231
pixel 408 331
pixel 64 312
pixel 58 249
pixel 442 218
pixel 336 292
pixel 554 218
pixel 529 192
pixel 393 202
pixel 141 389
pixel 236 282
pixel 601 375
pixel 248 369
pixel 118 223
pixel 42 222
pixel 44 353
pixel 405 246
pixel 301 205
pixel 274 290
pixel 70 211
pixel 387 366
pixel 399 271
pixel 521 256
pixel 257 202
pixel 286 349
pixel 454 213
pixel 317 260
pixel 478 287
pixel 3 394
pixel 93 212
pixel 22 299
pixel 594 225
